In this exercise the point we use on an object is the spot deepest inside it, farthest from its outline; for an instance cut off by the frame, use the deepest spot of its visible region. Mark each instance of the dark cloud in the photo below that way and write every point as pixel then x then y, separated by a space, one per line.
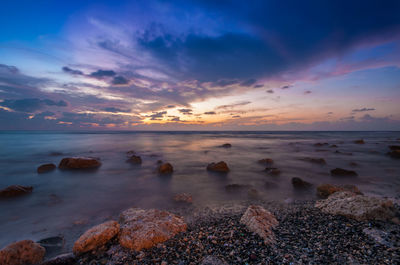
pixel 170 106
pixel 186 111
pixel 176 119
pixel 225 82
pixel 72 71
pixel 210 113
pixel 120 80
pixel 115 110
pixel 307 92
pixel 31 104
pixel 363 110
pixel 258 86
pixel 157 115
pixel 9 68
pixel 233 105
pixel 102 73
pixel 249 82
pixel 286 87
pixel 270 91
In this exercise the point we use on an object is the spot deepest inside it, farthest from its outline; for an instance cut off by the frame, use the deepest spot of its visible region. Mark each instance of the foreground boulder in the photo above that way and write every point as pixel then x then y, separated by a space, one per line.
pixel 15 190
pixel 183 197
pixel 96 237
pixel 325 190
pixel 146 228
pixel 134 159
pixel 220 167
pixel 300 184
pixel 358 207
pixel 260 221
pixel 46 168
pixel 79 163
pixel 340 172
pixel 22 253
pixel 165 168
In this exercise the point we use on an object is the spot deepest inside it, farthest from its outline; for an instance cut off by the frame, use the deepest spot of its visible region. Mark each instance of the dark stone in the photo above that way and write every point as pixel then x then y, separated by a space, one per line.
pixel 299 183
pixel 273 171
pixel 320 144
pixel 52 244
pixel 63 259
pixel 220 167
pixel 266 161
pixel 226 145
pixel 165 168
pixel 235 187
pixel 361 141
pixel 394 147
pixel 79 163
pixel 343 172
pixel 134 159
pixel 394 154
pixel 320 161
pixel 15 190
pixel 46 168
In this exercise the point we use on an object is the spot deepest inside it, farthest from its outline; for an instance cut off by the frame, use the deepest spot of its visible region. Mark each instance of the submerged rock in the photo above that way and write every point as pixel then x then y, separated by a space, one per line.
pixel 46 168
pixel 260 221
pixel 165 168
pixel 325 190
pixel 266 161
pixel 79 163
pixel 15 190
pixel 146 228
pixel 220 167
pixel 320 161
pixel 183 197
pixel 63 259
pixel 320 144
pixel 23 252
pixel 96 237
pixel 300 184
pixel 52 244
pixel 394 147
pixel 361 141
pixel 394 154
pixel 236 187
pixel 227 145
pixel 343 172
pixel 134 159
pixel 359 207
pixel 273 171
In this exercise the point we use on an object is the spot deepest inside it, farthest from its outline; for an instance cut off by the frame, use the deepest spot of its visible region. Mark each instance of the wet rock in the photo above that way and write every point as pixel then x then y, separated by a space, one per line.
pixel 46 168
pixel 394 147
pixel 146 228
pixel 165 168
pixel 353 164
pixel 236 187
pixel 260 221
pixel 319 161
pixel 320 144
pixel 273 171
pixel 96 237
pixel 266 161
pixel 63 259
pixel 361 141
pixel 130 153
pixel 227 145
pixel 343 172
pixel 212 260
pixel 300 184
pixel 134 159
pixel 22 253
pixel 220 167
pixel 79 163
pixel 15 190
pixel 325 190
pixel 343 153
pixel 358 207
pixel 333 146
pixel 394 154
pixel 183 197
pixel 52 244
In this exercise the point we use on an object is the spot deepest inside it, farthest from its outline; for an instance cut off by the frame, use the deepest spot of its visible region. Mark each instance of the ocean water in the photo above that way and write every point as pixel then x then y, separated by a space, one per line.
pixel 68 202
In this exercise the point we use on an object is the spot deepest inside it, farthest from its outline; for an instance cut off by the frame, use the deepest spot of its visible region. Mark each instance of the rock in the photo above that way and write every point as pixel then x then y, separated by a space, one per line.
pixel 333 146
pixel 165 168
pixel 63 259
pixel 159 162
pixel 320 144
pixel 343 153
pixel 183 197
pixel 212 260
pixel 235 187
pixel 96 237
pixel 226 145
pixel 299 183
pixel 353 164
pixel 325 190
pixel 260 221
pixel 220 167
pixel 52 244
pixel 15 190
pixel 130 153
pixel 266 161
pixel 46 168
pixel 79 163
pixel 273 171
pixel 394 147
pixel 320 161
pixel 343 172
pixel 394 154
pixel 361 141
pixel 146 228
pixel 134 159
pixel 22 253
pixel 358 207
pixel 253 193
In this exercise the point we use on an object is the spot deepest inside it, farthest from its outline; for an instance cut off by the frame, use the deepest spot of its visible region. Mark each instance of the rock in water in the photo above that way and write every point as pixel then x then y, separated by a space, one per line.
pixel 394 147
pixel 96 237
pixel 300 184
pixel 183 197
pixel 359 207
pixel 46 168
pixel 22 253
pixel 146 228
pixel 15 190
pixel 227 145
pixel 320 161
pixel 260 221
pixel 266 161
pixel 343 172
pixel 394 154
pixel 63 259
pixel 79 163
pixel 134 159
pixel 325 190
pixel 220 167
pixel 212 260
pixel 361 141
pixel 165 168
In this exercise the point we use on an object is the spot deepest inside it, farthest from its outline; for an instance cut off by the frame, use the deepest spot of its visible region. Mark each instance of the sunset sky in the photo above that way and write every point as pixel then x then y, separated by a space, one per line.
pixel 199 65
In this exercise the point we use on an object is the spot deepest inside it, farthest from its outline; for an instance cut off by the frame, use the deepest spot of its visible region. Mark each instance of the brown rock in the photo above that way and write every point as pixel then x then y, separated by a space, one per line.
pixel 343 172
pixel 325 190
pixel 134 159
pixel 183 197
pixel 299 183
pixel 226 145
pixel 22 253
pixel 46 168
pixel 266 161
pixel 320 161
pixel 220 167
pixel 96 237
pixel 15 190
pixel 273 171
pixel 361 141
pixel 79 163
pixel 260 221
pixel 146 228
pixel 165 168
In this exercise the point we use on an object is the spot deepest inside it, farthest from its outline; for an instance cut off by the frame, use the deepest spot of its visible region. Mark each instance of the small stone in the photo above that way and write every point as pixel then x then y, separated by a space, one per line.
pixel 299 183
pixel 361 141
pixel 343 172
pixel 46 168
pixel 220 167
pixel 165 168
pixel 79 163
pixel 134 159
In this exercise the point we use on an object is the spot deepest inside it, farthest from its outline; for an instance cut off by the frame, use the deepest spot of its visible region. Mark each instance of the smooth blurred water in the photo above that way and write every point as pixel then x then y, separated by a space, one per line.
pixel 67 203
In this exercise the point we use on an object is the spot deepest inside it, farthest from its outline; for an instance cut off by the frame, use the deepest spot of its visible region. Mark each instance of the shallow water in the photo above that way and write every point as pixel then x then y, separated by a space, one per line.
pixel 67 203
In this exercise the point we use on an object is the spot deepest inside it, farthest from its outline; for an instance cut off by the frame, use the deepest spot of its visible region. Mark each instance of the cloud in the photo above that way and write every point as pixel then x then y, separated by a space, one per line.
pixel 186 111
pixel 229 106
pixel 258 86
pixel 120 80
pixel 115 110
pixel 270 91
pixel 249 82
pixel 286 87
pixel 307 92
pixel 31 104
pixel 363 110
pixel 210 113
pixel 72 71
pixel 157 115
pixel 102 73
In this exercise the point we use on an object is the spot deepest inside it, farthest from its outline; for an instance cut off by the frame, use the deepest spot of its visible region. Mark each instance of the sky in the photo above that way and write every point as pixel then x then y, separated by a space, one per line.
pixel 200 65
